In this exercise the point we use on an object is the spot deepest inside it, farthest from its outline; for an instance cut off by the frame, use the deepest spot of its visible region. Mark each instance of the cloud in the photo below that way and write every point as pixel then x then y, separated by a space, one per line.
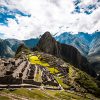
pixel 49 15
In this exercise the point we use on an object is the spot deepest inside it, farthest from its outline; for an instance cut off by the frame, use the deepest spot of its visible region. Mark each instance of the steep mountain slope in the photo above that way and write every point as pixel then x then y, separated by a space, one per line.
pixel 84 42
pixel 94 53
pixel 87 44
pixel 5 50
pixel 95 48
pixel 68 53
pixel 14 43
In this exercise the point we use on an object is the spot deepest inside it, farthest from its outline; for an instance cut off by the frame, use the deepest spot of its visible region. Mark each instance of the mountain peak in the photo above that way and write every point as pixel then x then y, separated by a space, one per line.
pixel 46 35
pixel 47 43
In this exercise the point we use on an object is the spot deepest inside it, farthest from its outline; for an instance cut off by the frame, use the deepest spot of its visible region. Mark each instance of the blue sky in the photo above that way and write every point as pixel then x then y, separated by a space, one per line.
pixel 26 19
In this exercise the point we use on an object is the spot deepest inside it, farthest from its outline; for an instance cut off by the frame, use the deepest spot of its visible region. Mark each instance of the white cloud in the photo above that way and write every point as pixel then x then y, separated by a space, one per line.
pixel 48 15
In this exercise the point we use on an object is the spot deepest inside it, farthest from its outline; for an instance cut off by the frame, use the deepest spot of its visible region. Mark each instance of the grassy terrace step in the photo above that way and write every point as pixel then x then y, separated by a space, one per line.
pixel 4 98
pixel 36 94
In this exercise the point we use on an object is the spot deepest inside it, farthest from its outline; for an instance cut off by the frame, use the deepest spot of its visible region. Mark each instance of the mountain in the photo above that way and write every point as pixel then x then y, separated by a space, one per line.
pixel 5 50
pixel 95 47
pixel 46 73
pixel 31 42
pixel 68 53
pixel 84 42
pixel 94 52
pixel 81 41
pixel 8 47
pixel 50 72
pixel 14 43
pixel 87 44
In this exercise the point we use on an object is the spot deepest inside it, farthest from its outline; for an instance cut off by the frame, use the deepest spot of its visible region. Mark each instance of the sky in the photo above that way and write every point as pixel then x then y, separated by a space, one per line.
pixel 25 19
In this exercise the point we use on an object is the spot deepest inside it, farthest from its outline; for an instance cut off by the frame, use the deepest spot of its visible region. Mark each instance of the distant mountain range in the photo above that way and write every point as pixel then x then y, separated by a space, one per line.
pixel 8 47
pixel 87 44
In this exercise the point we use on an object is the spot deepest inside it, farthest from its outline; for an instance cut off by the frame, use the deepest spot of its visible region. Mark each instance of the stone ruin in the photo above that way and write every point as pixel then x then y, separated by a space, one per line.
pixel 20 71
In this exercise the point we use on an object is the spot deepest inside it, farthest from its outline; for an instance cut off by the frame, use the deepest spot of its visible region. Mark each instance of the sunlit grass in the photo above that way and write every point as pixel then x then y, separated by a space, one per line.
pixel 36 60
pixel 32 94
pixel 60 81
pixel 38 94
pixel 53 70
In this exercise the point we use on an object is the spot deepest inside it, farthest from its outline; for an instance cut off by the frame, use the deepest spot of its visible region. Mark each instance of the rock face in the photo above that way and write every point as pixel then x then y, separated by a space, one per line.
pixel 48 44
pixel 68 53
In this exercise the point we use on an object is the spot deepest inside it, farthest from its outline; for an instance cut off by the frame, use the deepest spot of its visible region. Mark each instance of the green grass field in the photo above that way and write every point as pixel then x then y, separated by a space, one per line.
pixel 4 98
pixel 37 94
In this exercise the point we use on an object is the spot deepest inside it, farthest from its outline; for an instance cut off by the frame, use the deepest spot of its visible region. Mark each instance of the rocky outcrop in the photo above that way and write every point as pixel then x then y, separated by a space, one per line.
pixel 68 53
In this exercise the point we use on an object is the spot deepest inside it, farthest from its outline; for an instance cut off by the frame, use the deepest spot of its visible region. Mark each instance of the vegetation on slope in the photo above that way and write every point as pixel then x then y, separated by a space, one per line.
pixel 88 83
pixel 73 79
pixel 22 50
